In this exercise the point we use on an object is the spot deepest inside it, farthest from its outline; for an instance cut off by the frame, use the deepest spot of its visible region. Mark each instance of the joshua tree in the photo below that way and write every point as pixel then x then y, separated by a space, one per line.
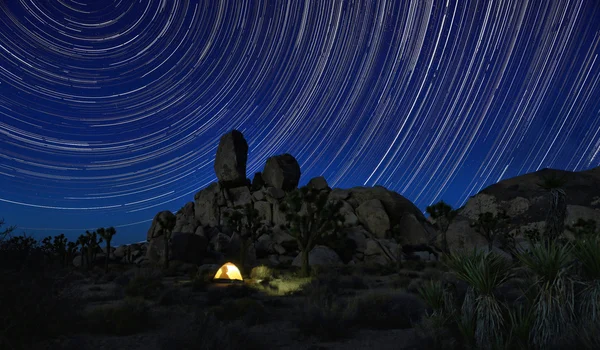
pixel 167 224
pixel 93 245
pixel 71 250
pixel 443 215
pixel 490 226
pixel 83 241
pixel 7 231
pixel 311 215
pixel 555 221
pixel 59 246
pixel 248 225
pixel 107 235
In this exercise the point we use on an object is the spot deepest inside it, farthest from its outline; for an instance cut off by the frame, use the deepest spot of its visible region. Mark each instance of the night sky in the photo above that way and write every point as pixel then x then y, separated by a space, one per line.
pixel 111 111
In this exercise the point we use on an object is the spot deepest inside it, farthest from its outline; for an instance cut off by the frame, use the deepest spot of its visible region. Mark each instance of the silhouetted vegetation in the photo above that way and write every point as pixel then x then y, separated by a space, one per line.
pixel 311 216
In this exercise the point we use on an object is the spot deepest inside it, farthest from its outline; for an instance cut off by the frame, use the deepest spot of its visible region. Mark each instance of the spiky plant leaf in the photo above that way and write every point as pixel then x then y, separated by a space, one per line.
pixel 554 304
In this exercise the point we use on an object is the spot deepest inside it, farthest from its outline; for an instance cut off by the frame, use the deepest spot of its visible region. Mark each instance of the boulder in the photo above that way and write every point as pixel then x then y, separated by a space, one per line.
pixel 284 239
pixel 240 196
pixel 199 231
pixel 264 211
pixel 350 219
pixel 120 251
pixel 411 231
pixel 395 204
pixel 358 235
pixel 373 216
pixel 258 195
pixel 207 203
pixel 155 229
pixel 264 246
pixel 185 224
pixel 220 243
pixel 257 182
pixel 156 251
pixel 187 210
pixel 319 255
pixel 380 252
pixel 188 247
pixel 339 194
pixel 279 216
pixel 282 171
pixel 275 193
pixel 230 162
pixel 318 183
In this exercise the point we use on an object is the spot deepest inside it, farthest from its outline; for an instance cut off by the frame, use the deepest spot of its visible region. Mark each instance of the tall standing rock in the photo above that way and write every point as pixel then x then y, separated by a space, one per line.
pixel 282 171
pixel 230 163
pixel 156 229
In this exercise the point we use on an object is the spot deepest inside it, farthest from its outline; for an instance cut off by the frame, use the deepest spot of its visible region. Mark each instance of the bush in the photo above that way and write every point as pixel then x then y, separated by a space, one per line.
pixel 172 296
pixel 386 309
pixel 327 320
pixel 214 334
pixel 262 273
pixel 35 306
pixel 248 310
pixel 146 284
pixel 217 294
pixel 129 317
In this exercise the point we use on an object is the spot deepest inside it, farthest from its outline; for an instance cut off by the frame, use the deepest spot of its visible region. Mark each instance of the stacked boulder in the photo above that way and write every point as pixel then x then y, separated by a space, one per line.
pixel 372 215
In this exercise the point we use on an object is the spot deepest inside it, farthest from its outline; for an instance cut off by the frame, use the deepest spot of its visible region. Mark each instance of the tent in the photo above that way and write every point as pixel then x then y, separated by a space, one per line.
pixel 228 272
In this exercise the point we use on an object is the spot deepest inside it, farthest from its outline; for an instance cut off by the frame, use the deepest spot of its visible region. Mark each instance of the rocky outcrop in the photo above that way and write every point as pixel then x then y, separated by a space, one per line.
pixel 188 247
pixel 230 161
pixel 527 205
pixel 203 226
pixel 155 229
pixel 282 172
pixel 373 216
pixel 319 255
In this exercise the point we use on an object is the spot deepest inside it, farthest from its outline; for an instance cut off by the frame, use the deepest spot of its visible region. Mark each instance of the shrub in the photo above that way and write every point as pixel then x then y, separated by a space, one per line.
pixel 214 334
pixel 248 310
pixel 146 284
pixel 323 317
pixel 34 307
pixel 216 295
pixel 386 309
pixel 128 317
pixel 172 296
pixel 262 273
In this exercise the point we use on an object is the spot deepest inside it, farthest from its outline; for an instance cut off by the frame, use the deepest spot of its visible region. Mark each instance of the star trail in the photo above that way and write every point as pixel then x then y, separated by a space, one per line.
pixel 111 111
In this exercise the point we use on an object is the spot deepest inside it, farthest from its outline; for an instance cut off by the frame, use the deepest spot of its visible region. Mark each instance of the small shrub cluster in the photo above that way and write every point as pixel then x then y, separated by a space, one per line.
pixel 218 294
pixel 147 283
pixel 128 317
pixel 248 310
pixel 262 273
pixel 386 309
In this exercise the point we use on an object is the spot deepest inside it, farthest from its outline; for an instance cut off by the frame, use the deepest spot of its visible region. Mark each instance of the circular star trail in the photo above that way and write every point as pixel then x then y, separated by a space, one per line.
pixel 111 111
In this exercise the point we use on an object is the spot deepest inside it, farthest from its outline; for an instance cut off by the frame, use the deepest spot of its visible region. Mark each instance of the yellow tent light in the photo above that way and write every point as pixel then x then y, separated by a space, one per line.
pixel 228 272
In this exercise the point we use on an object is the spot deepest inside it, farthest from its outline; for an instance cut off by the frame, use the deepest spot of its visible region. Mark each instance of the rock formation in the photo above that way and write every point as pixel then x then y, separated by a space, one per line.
pixel 202 230
pixel 282 172
pixel 527 205
pixel 230 162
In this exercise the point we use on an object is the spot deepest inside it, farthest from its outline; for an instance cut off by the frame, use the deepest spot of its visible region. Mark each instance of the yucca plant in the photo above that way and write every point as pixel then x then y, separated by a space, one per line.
pixel 587 252
pixel 484 272
pixel 520 322
pixel 553 305
pixel 432 292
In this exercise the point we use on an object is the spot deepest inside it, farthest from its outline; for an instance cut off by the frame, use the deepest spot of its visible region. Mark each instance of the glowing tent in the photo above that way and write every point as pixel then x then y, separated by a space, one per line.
pixel 228 272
